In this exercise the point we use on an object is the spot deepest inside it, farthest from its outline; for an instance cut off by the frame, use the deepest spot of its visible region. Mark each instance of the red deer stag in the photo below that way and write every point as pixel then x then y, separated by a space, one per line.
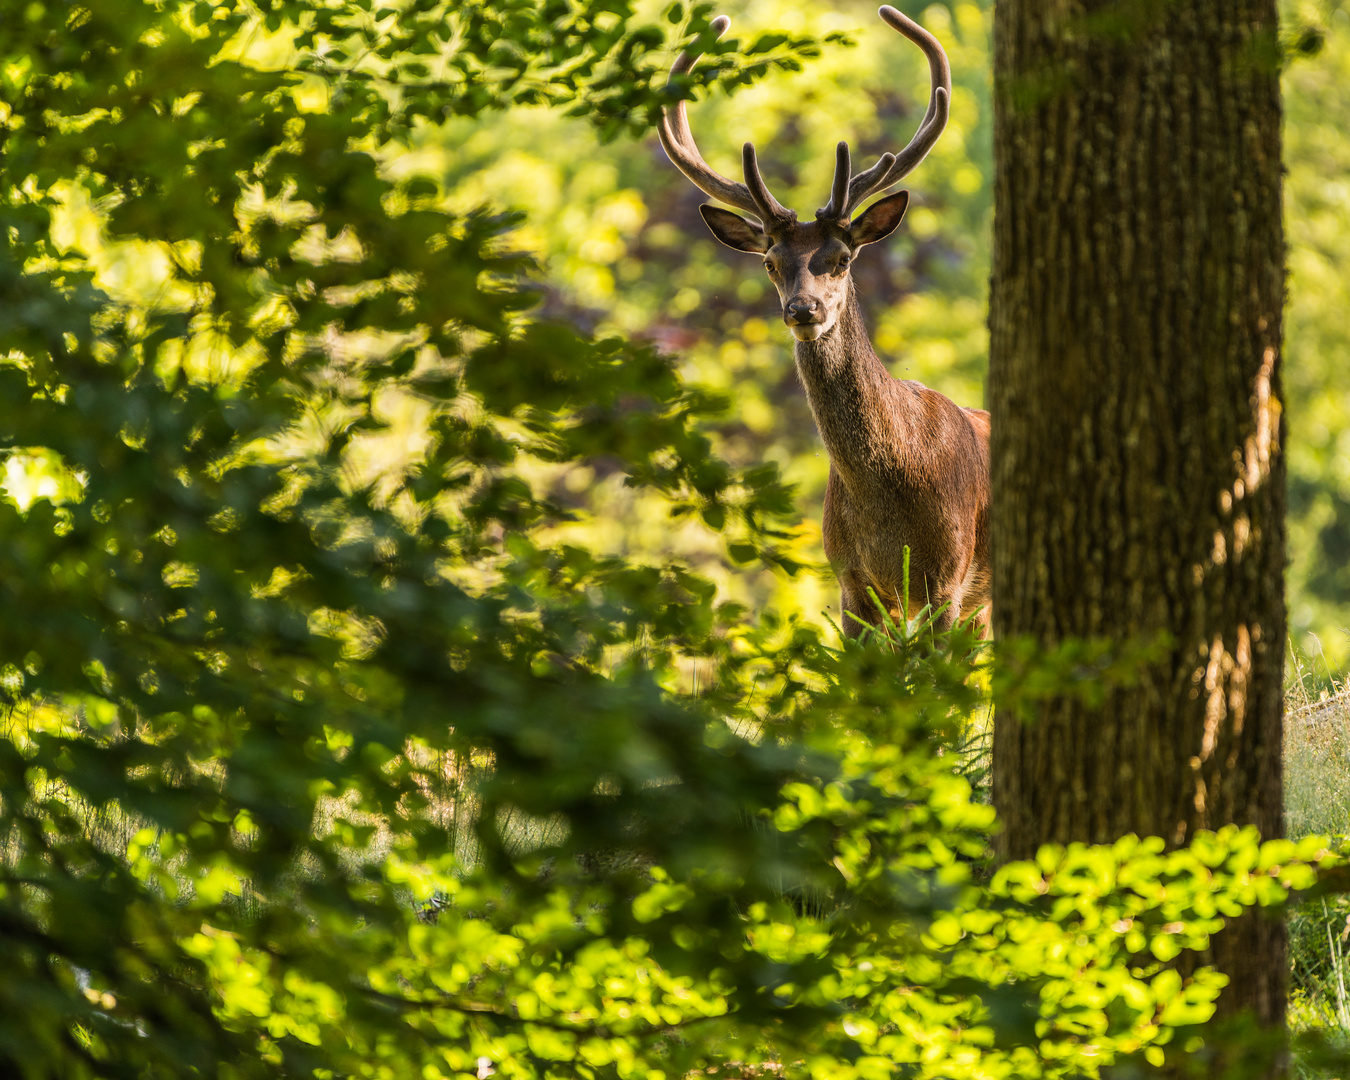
pixel 908 467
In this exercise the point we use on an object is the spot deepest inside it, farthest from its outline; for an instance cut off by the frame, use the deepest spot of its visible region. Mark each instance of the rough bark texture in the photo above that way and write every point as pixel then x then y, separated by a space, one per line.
pixel 1138 483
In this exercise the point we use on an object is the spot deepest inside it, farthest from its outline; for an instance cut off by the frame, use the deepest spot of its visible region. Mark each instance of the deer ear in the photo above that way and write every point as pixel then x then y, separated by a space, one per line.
pixel 734 231
pixel 880 219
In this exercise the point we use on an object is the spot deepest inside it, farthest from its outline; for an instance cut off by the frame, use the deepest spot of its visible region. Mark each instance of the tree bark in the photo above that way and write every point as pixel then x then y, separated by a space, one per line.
pixel 1138 483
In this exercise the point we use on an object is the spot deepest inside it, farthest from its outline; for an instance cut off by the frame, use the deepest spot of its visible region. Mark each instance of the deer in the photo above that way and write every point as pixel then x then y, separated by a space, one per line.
pixel 907 499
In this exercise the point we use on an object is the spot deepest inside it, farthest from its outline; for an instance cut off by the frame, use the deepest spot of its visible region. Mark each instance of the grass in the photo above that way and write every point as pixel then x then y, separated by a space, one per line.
pixel 1317 800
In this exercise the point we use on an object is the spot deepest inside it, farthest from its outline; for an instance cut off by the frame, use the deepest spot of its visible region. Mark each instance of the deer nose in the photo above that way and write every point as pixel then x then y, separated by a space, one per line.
pixel 802 310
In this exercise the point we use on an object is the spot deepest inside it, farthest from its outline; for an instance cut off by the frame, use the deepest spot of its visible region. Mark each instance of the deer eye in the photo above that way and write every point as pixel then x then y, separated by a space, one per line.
pixel 843 262
pixel 771 268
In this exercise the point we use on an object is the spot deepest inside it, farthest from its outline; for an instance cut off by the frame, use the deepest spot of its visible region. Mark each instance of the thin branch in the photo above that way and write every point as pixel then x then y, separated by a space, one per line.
pixel 479 1008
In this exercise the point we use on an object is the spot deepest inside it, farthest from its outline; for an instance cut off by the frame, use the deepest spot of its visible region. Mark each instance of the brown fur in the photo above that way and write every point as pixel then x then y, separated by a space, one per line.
pixel 908 467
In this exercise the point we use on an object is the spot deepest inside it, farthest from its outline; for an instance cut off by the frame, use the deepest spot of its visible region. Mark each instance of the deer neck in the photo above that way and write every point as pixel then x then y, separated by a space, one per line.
pixel 852 396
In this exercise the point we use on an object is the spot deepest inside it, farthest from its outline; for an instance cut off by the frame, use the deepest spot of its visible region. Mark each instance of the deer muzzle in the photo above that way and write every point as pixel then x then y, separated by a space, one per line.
pixel 805 317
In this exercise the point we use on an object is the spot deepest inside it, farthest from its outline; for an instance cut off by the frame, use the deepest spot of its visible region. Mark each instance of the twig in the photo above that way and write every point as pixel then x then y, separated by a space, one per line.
pixel 479 1008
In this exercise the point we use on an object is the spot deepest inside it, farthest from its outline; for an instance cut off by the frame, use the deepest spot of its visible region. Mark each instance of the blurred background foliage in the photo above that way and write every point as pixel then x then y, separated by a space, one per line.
pixel 622 249
pixel 1317 334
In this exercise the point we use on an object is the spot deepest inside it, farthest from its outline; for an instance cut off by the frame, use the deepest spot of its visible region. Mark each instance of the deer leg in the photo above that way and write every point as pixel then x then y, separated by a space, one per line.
pixel 983 623
pixel 980 617
pixel 859 609
pixel 951 614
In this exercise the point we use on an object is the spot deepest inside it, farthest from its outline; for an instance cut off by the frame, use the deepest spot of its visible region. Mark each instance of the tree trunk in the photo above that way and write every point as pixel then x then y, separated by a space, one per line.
pixel 1138 482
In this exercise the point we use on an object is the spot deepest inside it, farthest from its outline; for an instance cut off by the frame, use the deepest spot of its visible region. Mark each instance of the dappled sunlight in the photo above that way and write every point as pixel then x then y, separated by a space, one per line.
pixel 382 459
pixel 211 358
pixel 139 273
pixel 254 45
pixel 39 473
pixel 429 670
pixel 1267 433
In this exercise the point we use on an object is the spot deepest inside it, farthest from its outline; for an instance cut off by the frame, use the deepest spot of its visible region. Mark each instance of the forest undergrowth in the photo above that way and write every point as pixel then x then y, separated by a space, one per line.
pixel 1317 801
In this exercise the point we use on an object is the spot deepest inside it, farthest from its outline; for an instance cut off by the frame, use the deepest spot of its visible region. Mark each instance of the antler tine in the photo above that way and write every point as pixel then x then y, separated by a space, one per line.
pixel 883 174
pixel 678 142
pixel 858 189
pixel 769 208
pixel 838 206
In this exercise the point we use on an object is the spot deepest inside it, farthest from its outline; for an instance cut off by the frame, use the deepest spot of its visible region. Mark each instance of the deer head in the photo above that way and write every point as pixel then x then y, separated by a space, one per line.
pixel 809 263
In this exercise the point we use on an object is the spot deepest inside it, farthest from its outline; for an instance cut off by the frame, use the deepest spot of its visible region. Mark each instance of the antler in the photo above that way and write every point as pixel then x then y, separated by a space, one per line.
pixel 846 192
pixel 678 141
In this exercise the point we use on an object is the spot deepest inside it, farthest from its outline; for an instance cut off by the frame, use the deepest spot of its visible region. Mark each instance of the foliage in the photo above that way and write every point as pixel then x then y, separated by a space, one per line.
pixel 324 754
pixel 1315 785
pixel 618 231
pixel 624 250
